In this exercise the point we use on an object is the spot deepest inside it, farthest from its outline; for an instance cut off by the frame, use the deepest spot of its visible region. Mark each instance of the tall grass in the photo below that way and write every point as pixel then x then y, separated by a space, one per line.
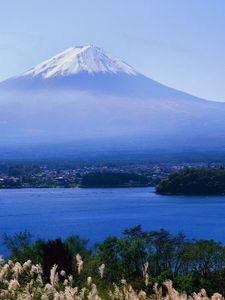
pixel 25 281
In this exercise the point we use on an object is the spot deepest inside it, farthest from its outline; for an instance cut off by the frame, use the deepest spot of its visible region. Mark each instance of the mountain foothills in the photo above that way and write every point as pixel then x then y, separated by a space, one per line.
pixel 88 98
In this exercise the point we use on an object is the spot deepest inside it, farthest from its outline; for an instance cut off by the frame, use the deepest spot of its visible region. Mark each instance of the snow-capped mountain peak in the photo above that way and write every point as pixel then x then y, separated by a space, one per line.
pixel 87 59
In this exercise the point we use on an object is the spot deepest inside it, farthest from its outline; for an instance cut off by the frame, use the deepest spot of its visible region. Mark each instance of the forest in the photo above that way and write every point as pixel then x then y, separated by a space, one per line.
pixel 194 181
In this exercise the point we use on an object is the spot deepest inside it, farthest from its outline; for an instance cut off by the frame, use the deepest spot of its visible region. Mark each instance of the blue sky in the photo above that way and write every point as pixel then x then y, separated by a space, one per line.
pixel 179 43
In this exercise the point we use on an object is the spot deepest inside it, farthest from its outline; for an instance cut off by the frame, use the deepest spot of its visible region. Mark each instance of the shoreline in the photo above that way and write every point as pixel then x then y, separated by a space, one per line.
pixel 75 187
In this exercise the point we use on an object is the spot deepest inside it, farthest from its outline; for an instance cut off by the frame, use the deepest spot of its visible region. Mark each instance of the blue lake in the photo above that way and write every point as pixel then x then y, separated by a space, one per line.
pixel 97 213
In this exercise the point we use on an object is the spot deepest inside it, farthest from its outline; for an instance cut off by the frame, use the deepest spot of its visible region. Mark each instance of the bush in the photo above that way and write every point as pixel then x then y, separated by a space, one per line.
pixel 191 264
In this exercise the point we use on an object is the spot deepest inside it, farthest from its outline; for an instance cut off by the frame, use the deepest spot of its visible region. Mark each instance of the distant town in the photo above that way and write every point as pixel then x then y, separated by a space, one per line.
pixel 87 174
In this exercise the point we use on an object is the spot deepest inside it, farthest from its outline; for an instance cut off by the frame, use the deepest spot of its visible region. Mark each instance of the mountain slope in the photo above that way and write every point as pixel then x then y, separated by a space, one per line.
pixel 80 59
pixel 89 68
pixel 85 94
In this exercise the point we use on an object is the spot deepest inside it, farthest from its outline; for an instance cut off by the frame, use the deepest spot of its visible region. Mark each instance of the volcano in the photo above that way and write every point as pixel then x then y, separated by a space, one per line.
pixel 85 96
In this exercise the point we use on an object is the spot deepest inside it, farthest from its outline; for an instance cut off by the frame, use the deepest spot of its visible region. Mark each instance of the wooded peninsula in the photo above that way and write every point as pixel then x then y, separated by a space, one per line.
pixel 199 181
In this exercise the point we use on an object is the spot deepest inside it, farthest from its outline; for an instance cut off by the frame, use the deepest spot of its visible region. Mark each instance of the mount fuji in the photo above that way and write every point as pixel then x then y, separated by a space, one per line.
pixel 86 97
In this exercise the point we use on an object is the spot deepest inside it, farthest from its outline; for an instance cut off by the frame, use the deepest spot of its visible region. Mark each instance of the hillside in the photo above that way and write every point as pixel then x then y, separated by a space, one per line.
pixel 200 181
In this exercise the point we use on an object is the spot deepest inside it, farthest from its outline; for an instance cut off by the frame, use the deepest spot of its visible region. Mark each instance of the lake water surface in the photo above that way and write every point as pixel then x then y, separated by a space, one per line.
pixel 97 213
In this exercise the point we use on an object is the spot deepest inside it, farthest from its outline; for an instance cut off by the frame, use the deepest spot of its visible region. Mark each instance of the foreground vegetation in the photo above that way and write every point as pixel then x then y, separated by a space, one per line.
pixel 140 257
pixel 200 181
pixel 25 282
